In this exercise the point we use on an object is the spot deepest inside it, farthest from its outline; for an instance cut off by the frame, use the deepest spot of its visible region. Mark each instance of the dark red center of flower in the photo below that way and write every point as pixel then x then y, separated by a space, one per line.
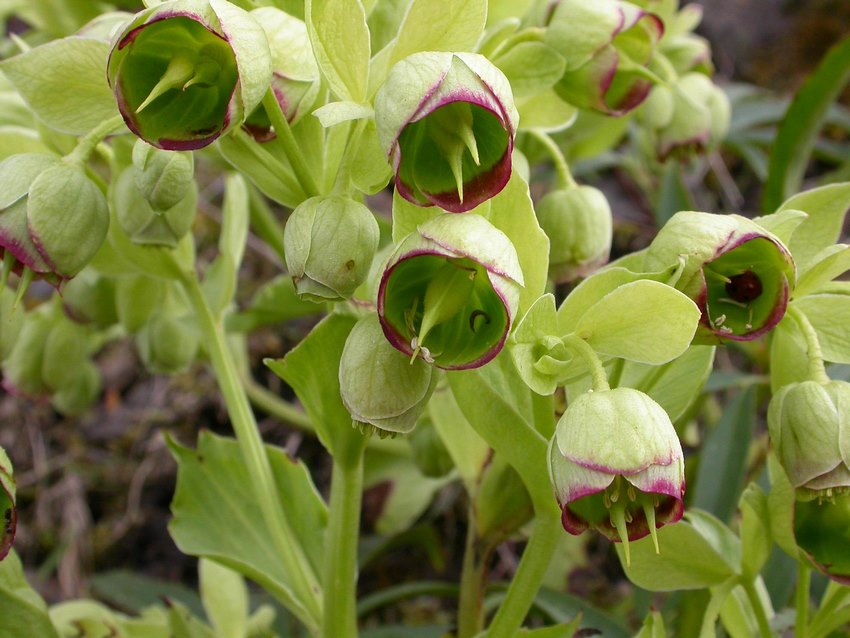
pixel 744 288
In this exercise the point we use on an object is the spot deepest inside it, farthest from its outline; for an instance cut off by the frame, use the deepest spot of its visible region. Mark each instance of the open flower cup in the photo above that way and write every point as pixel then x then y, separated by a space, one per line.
pixel 739 275
pixel 617 466
pixel 185 72
pixel 450 292
pixel 446 122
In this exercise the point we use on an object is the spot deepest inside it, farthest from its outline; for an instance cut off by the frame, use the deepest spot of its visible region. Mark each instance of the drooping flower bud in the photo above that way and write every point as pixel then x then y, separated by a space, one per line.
pixel 295 74
pixel 446 122
pixel 53 218
pixel 821 530
pixel 450 292
pixel 617 466
pixel 739 275
pixel 11 322
pixel 688 118
pixel 143 223
pixel 162 177
pixel 606 45
pixel 809 426
pixel 90 298
pixel 186 71
pixel 578 222
pixel 330 243
pixel 378 384
pixel 168 344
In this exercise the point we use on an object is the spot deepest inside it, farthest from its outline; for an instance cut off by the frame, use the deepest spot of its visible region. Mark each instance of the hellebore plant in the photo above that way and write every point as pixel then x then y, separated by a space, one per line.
pixel 447 122
pixel 450 291
pixel 186 71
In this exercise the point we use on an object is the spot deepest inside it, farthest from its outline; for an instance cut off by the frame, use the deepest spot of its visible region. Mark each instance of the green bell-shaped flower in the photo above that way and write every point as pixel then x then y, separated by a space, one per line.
pixel 739 275
pixel 185 71
pixel 617 466
pixel 446 122
pixel 450 291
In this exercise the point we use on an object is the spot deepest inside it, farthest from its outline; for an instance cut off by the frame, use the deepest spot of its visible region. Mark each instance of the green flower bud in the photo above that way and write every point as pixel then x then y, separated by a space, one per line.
pixel 137 298
pixel 80 393
pixel 378 385
pixel 168 344
pixel 692 117
pixel 185 71
pixel 429 452
pixel 502 503
pixel 143 223
pixel 295 75
pixel 162 177
pixel 90 298
pixel 739 275
pixel 11 322
pixel 606 45
pixel 809 426
pixel 578 223
pixel 450 291
pixel 446 122
pixel 617 466
pixel 8 511
pixel 53 218
pixel 330 243
pixel 22 369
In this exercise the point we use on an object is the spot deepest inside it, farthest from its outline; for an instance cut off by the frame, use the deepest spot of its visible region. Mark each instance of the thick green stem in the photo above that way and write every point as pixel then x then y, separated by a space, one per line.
pixel 804 576
pixel 597 371
pixel 289 144
pixel 817 370
pixel 562 169
pixel 306 603
pixel 470 615
pixel 758 608
pixel 88 143
pixel 340 573
pixel 526 582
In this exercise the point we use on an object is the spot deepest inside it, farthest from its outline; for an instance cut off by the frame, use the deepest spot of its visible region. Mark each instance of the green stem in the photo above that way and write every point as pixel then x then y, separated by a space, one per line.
pixel 289 144
pixel 823 622
pixel 565 176
pixel 804 576
pixel 712 610
pixel 340 573
pixel 88 143
pixel 305 604
pixel 758 608
pixel 470 616
pixel 817 369
pixel 597 371
pixel 526 582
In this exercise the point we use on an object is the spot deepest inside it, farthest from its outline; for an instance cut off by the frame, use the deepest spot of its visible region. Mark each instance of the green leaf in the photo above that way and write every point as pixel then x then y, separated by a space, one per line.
pixel 755 530
pixel 782 223
pixel 133 592
pixel 236 216
pixel 497 419
pixel 338 112
pixel 561 607
pixel 468 451
pixel 512 212
pixel 225 598
pixel 312 369
pixel 407 216
pixel 737 613
pixel 21 608
pixel 802 122
pixel 275 302
pixel 340 40
pixel 653 626
pixel 722 463
pixel 216 515
pixel 531 67
pixel 546 112
pixel 439 25
pixel 828 314
pixel 64 82
pixel 564 630
pixel 644 321
pixel 8 511
pixel 673 195
pixel 788 360
pixel 828 264
pixel 676 385
pixel 825 207
pixel 370 170
pixel 696 552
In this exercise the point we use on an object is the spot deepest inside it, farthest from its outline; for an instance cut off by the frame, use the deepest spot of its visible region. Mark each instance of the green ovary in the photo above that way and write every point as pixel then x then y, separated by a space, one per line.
pixel 177 77
pixel 744 287
pixel 445 308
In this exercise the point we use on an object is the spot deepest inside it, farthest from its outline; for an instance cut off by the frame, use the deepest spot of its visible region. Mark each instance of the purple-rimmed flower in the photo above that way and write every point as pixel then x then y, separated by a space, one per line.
pixel 739 275
pixel 617 466
pixel 606 45
pixel 446 122
pixel 450 291
pixel 186 71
